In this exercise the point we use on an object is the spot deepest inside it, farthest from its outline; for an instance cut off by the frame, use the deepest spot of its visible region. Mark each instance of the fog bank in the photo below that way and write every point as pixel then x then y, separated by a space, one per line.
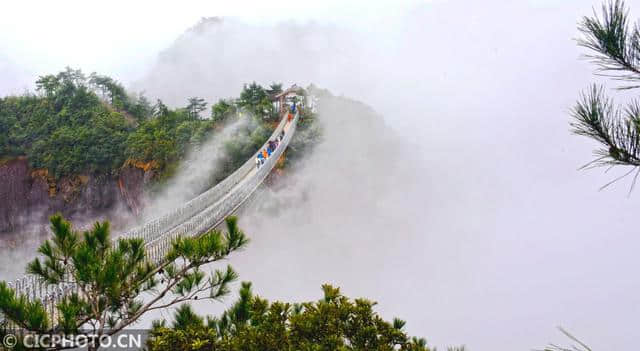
pixel 477 229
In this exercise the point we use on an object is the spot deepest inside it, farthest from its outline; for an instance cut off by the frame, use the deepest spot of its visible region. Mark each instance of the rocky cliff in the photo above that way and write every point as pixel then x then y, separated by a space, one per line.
pixel 31 195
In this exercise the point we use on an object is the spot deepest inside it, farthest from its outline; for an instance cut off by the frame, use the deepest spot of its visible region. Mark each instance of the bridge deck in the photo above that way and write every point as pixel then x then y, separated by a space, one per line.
pixel 226 197
pixel 197 216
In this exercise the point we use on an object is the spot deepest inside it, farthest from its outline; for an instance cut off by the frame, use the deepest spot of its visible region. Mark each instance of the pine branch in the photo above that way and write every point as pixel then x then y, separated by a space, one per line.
pixel 595 116
pixel 616 47
pixel 581 346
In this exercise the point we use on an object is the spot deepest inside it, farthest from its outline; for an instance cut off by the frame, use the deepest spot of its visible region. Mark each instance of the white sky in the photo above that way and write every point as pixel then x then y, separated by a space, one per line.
pixel 122 37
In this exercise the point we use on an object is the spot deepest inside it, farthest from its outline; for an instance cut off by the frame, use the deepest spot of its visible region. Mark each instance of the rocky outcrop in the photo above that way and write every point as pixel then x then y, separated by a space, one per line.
pixel 131 184
pixel 32 195
pixel 15 191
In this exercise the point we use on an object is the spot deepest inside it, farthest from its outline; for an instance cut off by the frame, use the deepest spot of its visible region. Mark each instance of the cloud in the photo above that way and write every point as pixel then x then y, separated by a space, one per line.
pixel 471 222
pixel 453 200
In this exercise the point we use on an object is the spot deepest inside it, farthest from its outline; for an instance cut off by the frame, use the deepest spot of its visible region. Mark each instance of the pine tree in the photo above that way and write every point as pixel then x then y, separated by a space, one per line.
pixel 334 322
pixel 274 89
pixel 195 106
pixel 615 50
pixel 110 279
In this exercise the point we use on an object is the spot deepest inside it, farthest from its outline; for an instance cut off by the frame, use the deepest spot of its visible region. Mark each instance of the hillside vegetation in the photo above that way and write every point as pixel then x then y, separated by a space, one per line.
pixel 75 123
pixel 334 322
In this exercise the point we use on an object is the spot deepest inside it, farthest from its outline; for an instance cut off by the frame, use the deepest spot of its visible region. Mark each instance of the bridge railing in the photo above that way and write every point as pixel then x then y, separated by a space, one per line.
pixel 152 229
pixel 197 216
pixel 215 214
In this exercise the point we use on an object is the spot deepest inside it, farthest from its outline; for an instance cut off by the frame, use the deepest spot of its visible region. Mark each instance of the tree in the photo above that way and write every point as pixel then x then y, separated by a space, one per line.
pixel 252 94
pixel 48 84
pixel 195 106
pixel 222 110
pixel 615 48
pixel 69 79
pixel 66 129
pixel 254 98
pixel 333 323
pixel 616 53
pixel 111 89
pixel 142 108
pixel 67 88
pixel 77 125
pixel 274 89
pixel 577 346
pixel 160 109
pixel 109 279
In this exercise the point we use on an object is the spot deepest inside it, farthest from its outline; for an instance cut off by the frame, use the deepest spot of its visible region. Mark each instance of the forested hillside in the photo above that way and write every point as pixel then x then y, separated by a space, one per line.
pixel 78 138
pixel 77 124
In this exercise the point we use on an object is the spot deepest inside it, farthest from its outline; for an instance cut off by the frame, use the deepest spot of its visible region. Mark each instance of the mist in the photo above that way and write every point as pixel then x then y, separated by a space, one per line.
pixel 472 223
pixel 451 194
pixel 14 77
pixel 195 173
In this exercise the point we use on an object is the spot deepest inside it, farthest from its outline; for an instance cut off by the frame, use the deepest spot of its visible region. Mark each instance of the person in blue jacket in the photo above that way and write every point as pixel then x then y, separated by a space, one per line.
pixel 259 160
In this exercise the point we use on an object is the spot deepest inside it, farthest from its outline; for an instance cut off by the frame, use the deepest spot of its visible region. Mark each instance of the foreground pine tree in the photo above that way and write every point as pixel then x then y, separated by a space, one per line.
pixel 115 284
pixel 615 48
pixel 334 323
pixel 614 45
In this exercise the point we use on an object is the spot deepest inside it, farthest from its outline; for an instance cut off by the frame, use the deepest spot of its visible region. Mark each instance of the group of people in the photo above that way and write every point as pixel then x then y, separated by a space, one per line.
pixel 272 145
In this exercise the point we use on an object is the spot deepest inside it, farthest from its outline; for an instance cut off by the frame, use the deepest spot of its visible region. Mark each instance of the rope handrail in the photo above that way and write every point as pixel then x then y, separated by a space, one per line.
pixel 193 218
pixel 197 204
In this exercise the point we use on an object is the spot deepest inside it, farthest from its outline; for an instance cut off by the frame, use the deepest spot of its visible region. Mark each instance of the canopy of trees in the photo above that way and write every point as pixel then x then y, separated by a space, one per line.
pixel 256 100
pixel 80 124
pixel 222 110
pixel 167 136
pixel 333 323
pixel 67 128
pixel 76 124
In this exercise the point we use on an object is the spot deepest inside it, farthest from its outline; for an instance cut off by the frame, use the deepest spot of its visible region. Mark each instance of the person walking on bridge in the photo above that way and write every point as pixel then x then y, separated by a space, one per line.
pixel 259 160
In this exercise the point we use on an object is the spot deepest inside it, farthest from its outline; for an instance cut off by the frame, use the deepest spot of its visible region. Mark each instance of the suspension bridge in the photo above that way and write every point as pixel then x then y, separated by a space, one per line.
pixel 192 218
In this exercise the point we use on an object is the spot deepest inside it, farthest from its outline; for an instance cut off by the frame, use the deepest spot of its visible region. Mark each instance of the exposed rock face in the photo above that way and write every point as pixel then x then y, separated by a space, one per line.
pixel 15 193
pixel 31 195
pixel 131 185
